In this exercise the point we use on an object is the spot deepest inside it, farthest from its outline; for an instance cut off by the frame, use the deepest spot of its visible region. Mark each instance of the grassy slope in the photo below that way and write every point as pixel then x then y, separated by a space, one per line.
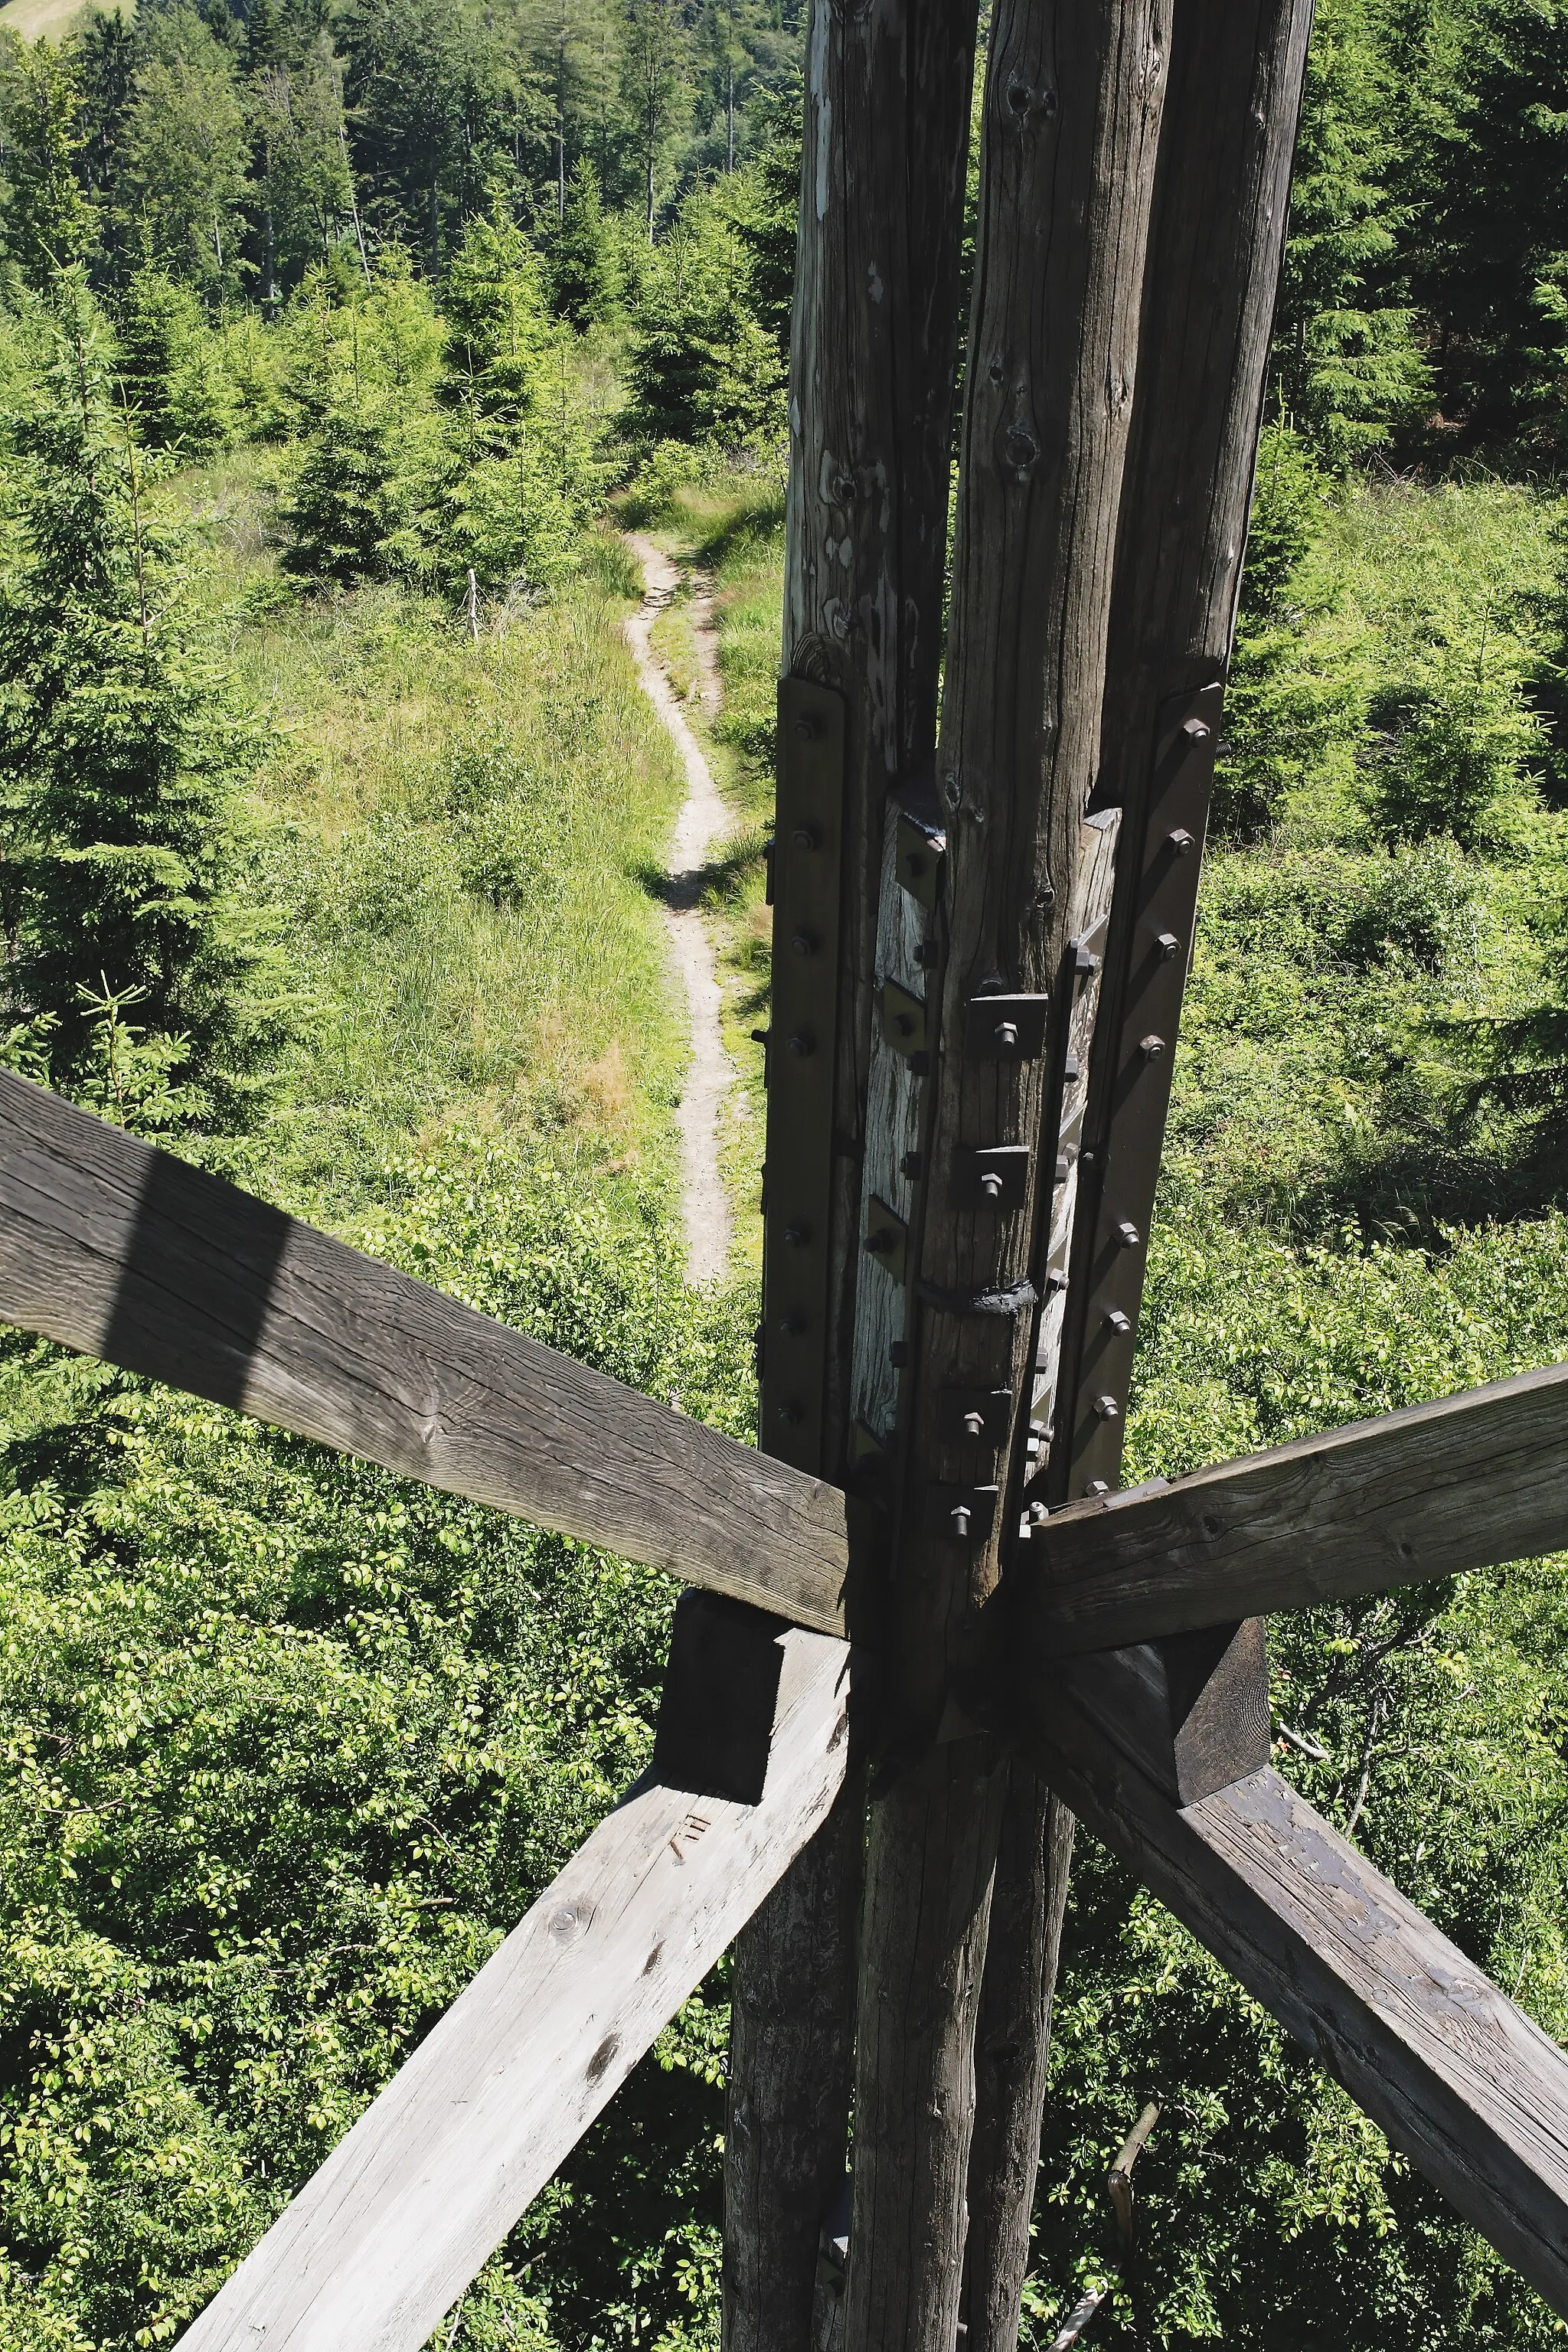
pixel 288 1745
pixel 459 836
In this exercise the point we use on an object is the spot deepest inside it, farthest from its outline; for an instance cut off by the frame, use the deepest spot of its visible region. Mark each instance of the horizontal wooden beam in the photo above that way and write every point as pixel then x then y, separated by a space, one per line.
pixel 1460 2079
pixel 129 1255
pixel 383 2239
pixel 1465 1482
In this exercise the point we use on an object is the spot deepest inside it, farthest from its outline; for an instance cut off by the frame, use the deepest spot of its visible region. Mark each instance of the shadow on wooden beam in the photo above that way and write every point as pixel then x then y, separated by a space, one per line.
pixel 124 1253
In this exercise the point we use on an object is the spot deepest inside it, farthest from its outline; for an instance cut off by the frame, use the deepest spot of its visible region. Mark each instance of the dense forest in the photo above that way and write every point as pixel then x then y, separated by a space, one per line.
pixel 340 341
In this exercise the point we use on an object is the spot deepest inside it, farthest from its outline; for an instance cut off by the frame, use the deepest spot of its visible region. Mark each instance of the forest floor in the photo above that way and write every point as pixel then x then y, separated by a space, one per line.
pixel 702 826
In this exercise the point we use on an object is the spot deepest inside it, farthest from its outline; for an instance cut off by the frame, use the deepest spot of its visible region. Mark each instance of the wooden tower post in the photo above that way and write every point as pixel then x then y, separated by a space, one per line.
pixel 887 98
pixel 1222 187
pixel 972 1050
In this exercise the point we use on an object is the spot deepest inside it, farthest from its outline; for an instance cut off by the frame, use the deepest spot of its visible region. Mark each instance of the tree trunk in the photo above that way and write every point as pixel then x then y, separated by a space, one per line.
pixel 876 351
pixel 1237 70
pixel 1071 124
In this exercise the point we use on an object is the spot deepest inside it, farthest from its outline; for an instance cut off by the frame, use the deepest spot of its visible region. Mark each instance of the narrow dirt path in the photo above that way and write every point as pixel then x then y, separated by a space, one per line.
pixel 700 826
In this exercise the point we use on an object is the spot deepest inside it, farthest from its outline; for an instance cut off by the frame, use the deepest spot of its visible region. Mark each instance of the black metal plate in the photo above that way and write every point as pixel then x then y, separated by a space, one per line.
pixel 1120 1169
pixel 1005 1028
pixel 992 1408
pixel 1007 1167
pixel 903 1019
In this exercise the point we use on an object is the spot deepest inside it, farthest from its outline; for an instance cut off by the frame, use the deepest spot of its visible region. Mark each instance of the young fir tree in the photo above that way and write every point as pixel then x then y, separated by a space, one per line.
pixel 46 224
pixel 120 752
pixel 1346 357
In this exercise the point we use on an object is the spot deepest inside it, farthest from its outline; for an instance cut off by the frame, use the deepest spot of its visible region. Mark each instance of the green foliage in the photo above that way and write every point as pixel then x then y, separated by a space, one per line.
pixel 120 747
pixel 584 266
pixel 184 169
pixel 704 364
pixel 347 500
pixel 1499 234
pixel 1348 363
pixel 288 1747
pixel 44 224
pixel 170 366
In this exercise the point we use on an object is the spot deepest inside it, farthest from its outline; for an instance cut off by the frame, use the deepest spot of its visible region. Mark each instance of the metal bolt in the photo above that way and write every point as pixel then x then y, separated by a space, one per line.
pixel 1007 1033
pixel 1038 1515
pixel 797 1235
pixel 806 836
pixel 1180 840
pixel 1169 945
pixel 802 1043
pixel 975 1423
pixel 1120 1323
pixel 805 943
pixel 915 864
pixel 904 1023
pixel 1152 1048
pixel 959 1515
pixel 1107 1408
pixel 1064 1168
pixel 1197 730
pixel 910 1165
pixel 1097 1487
pixel 792 1410
pixel 806 730
pixel 991 1185
pixel 927 954
pixel 1127 1234
pixel 1072 1068
pixel 880 1242
pixel 1056 1279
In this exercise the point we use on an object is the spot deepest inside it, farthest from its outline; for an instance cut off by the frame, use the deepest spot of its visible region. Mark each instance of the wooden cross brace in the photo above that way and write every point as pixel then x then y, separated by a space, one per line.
pixel 114 1248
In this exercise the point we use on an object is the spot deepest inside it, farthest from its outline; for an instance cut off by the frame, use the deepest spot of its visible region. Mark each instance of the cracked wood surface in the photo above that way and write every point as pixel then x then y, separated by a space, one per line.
pixel 1462 2081
pixel 125 1253
pixel 1465 1482
pixel 407 2209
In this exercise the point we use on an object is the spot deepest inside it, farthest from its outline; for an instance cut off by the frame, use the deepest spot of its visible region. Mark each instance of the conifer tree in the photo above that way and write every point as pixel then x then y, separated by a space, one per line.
pixel 120 751
pixel 45 221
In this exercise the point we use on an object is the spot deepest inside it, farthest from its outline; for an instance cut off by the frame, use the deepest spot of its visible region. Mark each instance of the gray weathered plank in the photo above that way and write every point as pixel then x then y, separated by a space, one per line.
pixel 409 2206
pixel 1465 1482
pixel 124 1253
pixel 1473 2092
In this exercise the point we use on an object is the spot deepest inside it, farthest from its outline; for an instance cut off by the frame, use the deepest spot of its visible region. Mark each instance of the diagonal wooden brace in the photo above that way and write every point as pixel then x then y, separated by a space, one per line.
pixel 1464 1482
pixel 381 2241
pixel 1462 2081
pixel 130 1254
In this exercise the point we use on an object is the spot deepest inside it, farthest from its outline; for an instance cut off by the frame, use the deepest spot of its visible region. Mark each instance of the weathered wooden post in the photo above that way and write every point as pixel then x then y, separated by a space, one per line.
pixel 1222 186
pixel 971 973
pixel 887 95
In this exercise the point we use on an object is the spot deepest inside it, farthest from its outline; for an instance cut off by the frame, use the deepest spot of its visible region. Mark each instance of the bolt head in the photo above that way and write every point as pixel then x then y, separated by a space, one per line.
pixel 802 1043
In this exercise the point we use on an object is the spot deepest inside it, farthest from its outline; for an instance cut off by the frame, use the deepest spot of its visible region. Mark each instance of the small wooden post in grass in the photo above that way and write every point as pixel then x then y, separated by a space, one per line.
pixel 874 356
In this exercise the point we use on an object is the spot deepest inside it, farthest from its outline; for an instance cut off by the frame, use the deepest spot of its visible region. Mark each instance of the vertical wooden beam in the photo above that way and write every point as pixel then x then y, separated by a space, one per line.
pixel 875 357
pixel 1229 130
pixel 1070 125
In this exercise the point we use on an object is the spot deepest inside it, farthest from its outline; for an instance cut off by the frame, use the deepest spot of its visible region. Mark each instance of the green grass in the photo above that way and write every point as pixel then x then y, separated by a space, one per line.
pixel 458 836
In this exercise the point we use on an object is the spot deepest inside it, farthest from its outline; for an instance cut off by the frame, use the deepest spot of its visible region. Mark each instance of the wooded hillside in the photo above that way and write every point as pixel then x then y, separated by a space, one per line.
pixel 338 344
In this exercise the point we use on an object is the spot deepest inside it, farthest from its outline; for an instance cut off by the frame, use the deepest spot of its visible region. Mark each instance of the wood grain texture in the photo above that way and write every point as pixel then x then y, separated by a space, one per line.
pixel 124 1253
pixel 1034 1851
pixel 410 2205
pixel 1071 124
pixel 875 350
pixel 1222 179
pixel 1465 1482
pixel 1012 2052
pixel 1464 2083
